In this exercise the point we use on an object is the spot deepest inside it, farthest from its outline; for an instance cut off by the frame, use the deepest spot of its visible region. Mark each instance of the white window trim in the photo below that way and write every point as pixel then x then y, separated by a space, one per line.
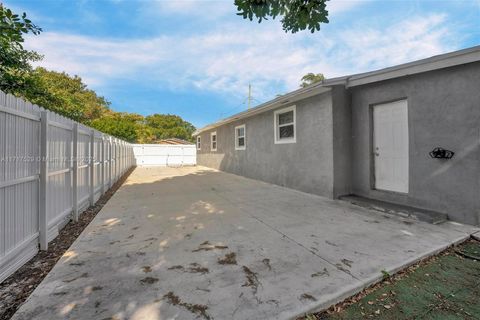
pixel 211 141
pixel 276 126
pixel 199 143
pixel 237 147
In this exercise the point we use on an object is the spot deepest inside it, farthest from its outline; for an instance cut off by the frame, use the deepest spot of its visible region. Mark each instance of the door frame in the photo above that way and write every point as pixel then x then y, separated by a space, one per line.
pixel 371 145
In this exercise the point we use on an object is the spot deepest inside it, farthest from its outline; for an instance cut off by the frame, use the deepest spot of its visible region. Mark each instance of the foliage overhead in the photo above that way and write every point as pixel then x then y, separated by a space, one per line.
pixel 296 14
pixel 311 78
pixel 15 60
pixel 65 95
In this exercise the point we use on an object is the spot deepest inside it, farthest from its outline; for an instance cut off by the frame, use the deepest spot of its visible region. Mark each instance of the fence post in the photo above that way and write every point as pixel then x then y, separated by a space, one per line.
pixel 75 172
pixel 115 153
pixel 92 168
pixel 42 219
pixel 183 155
pixel 123 157
pixel 102 168
pixel 109 162
pixel 119 158
pixel 114 160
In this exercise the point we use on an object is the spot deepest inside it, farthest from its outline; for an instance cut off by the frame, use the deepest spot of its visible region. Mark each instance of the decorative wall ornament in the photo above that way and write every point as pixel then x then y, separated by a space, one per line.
pixel 440 153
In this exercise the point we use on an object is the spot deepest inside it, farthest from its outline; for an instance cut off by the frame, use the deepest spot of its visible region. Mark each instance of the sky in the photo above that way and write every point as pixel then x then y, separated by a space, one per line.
pixel 196 58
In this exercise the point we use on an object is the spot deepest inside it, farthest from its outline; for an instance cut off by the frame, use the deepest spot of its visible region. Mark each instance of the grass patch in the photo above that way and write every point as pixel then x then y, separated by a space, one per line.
pixel 446 286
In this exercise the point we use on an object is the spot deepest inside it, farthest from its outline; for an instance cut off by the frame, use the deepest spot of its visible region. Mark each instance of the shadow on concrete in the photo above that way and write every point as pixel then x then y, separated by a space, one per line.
pixel 157 250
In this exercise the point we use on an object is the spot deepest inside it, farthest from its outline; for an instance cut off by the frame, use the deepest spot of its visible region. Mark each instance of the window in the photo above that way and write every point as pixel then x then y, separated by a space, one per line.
pixel 240 138
pixel 213 141
pixel 285 125
pixel 199 143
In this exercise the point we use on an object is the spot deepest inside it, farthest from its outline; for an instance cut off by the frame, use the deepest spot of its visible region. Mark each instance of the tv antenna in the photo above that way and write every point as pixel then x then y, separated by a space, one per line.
pixel 249 96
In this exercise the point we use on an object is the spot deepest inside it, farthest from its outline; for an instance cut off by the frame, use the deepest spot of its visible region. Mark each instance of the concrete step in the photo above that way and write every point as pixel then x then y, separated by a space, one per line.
pixel 397 209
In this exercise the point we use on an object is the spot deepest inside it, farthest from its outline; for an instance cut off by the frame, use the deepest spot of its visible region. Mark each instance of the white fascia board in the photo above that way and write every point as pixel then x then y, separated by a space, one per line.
pixel 433 63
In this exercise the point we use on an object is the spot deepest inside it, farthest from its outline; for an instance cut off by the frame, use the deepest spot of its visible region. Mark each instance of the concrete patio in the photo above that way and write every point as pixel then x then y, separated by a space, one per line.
pixel 187 243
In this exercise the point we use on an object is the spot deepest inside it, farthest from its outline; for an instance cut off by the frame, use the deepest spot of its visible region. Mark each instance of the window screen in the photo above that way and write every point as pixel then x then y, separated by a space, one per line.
pixel 285 125
pixel 240 137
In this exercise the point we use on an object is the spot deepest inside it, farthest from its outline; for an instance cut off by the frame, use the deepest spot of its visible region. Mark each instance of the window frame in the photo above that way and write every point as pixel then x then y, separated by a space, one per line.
pixel 277 126
pixel 214 133
pixel 199 142
pixel 237 146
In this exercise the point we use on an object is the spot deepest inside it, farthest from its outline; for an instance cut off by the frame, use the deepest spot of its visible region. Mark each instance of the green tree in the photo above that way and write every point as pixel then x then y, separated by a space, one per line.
pixel 122 125
pixel 69 96
pixel 64 94
pixel 296 14
pixel 311 78
pixel 170 126
pixel 145 134
pixel 15 61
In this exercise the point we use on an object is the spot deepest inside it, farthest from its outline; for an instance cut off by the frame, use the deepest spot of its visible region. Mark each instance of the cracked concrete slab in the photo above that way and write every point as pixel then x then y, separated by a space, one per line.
pixel 191 243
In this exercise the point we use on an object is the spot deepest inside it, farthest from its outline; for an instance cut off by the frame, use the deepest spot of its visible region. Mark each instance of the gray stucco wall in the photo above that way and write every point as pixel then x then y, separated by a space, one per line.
pixel 306 165
pixel 342 141
pixel 443 111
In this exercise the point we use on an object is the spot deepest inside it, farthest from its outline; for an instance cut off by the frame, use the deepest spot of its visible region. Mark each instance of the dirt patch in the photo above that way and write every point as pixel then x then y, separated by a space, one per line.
pixel 175 268
pixel 252 280
pixel 324 272
pixel 230 258
pixel 193 268
pixel 306 296
pixel 342 268
pixel 83 275
pixel 149 280
pixel 196 268
pixel 206 246
pixel 266 262
pixel 147 269
pixel 197 309
pixel 347 262
pixel 331 243
pixel 16 288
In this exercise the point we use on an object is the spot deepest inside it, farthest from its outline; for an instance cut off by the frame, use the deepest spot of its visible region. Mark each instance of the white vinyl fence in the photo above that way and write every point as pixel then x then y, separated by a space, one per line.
pixel 51 170
pixel 165 154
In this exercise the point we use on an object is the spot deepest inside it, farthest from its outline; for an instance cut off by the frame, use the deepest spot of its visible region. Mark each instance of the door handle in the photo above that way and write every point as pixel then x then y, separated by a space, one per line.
pixel 376 153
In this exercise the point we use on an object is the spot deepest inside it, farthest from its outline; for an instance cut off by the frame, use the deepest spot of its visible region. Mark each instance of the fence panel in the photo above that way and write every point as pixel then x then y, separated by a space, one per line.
pixel 165 155
pixel 37 193
pixel 59 181
pixel 83 169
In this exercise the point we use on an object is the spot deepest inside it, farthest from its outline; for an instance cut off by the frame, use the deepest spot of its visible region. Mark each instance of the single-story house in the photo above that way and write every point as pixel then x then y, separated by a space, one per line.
pixel 406 135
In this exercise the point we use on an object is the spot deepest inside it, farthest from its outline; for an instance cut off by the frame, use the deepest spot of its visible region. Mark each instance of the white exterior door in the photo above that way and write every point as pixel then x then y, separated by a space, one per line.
pixel 390 146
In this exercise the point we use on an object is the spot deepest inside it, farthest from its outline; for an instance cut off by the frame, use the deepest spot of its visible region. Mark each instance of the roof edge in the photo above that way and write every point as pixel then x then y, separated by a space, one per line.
pixel 440 61
pixel 303 93
pixel 436 62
